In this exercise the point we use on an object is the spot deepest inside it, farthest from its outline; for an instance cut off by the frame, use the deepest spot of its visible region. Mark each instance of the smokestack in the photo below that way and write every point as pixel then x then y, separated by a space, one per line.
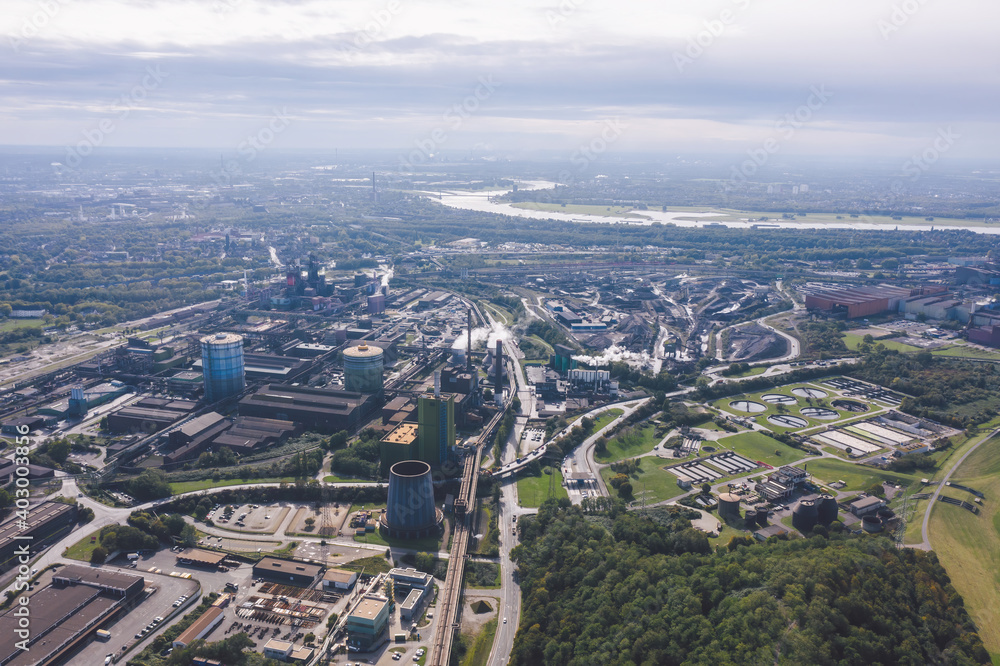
pixel 499 360
pixel 468 347
pixel 437 383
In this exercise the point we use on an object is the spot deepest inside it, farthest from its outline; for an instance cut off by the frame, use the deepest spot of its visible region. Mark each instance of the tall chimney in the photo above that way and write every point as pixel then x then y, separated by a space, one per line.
pixel 499 360
pixel 468 346
pixel 437 383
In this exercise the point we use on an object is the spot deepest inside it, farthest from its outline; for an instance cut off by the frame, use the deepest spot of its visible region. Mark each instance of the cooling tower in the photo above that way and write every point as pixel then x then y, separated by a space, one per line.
pixel 410 512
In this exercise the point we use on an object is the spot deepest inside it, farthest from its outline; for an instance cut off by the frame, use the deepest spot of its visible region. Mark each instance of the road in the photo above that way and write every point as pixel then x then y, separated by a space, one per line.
pixel 925 543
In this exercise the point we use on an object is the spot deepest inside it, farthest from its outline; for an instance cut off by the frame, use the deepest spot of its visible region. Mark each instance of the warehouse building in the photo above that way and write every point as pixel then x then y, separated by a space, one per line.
pixel 340 580
pixel 250 434
pixel 318 409
pixel 201 627
pixel 855 302
pixel 64 613
pixel 300 574
pixel 45 521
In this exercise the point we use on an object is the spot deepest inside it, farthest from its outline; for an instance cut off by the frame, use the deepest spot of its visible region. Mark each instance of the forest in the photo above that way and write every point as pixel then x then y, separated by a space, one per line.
pixel 621 588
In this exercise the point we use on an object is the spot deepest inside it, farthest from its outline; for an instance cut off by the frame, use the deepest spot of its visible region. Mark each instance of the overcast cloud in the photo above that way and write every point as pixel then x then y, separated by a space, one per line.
pixel 682 76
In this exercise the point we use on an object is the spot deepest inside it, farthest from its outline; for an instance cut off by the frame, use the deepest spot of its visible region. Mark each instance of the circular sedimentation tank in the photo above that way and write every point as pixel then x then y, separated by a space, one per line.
pixel 809 392
pixel 748 406
pixel 222 365
pixel 363 368
pixel 819 413
pixel 787 421
pixel 410 512
pixel 805 515
pixel 827 508
pixel 778 399
pixel 871 523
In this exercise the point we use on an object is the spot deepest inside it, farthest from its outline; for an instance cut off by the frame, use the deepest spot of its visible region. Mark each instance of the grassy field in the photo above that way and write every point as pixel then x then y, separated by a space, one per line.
pixel 533 490
pixel 375 564
pixel 334 478
pixel 10 324
pixel 182 487
pixel 607 417
pixel 852 341
pixel 964 351
pixel 656 482
pixel 969 545
pixel 759 447
pixel 82 549
pixel 857 477
pixel 752 372
pixel 618 450
pixel 431 545
pixel 479 651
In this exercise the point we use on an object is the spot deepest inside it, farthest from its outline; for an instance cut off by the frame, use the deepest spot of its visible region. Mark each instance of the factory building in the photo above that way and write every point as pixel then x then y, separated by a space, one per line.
pixel 201 627
pixel 45 520
pixel 65 613
pixel 856 302
pixel 149 415
pixel 339 580
pixel 562 360
pixel 249 434
pixel 363 368
pixel 290 572
pixel 435 427
pixel 399 445
pixel 376 304
pixel 317 409
pixel 223 365
pixel 368 623
pixel 194 437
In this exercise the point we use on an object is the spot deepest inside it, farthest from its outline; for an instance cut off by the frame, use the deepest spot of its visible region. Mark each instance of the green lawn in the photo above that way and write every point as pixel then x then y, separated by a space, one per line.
pixel 10 324
pixel 375 564
pixel 760 448
pixel 431 545
pixel 963 351
pixel 334 478
pixel 607 417
pixel 969 545
pixel 657 483
pixel 82 549
pixel 181 487
pixel 479 651
pixel 852 341
pixel 533 490
pixel 643 442
pixel 752 372
pixel 857 477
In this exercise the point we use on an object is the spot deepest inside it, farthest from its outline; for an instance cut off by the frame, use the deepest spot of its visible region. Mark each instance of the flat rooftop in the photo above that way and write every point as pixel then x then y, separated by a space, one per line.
pixel 405 433
pixel 369 608
pixel 274 565
pixel 208 557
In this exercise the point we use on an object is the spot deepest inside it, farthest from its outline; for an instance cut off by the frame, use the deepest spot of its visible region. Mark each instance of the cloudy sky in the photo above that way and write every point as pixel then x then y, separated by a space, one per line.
pixel 839 77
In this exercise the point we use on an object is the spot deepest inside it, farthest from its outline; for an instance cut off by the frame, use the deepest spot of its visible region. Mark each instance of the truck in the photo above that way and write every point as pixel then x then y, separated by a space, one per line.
pixel 103 635
pixel 132 557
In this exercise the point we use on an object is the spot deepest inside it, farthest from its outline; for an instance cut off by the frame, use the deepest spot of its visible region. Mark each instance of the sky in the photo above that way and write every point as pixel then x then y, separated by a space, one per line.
pixel 888 78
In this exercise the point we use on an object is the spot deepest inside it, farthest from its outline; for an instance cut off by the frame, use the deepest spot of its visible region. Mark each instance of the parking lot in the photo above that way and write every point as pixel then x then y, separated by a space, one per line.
pixel 250 518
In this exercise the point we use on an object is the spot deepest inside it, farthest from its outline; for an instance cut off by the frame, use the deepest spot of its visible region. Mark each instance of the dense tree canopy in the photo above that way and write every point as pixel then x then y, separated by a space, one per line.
pixel 636 590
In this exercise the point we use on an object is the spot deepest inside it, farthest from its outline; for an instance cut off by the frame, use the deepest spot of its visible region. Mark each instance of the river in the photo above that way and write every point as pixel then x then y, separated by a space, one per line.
pixel 482 201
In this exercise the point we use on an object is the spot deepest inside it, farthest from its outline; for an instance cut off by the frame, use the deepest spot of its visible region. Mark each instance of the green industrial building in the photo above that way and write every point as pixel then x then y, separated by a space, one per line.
pixel 368 623
pixel 435 427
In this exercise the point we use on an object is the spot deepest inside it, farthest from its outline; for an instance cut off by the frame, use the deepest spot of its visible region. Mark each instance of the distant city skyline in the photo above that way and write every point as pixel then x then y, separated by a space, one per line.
pixel 747 77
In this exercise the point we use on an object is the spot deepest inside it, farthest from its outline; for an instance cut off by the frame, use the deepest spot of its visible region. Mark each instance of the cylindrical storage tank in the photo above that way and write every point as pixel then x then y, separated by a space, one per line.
pixel 410 512
pixel 827 509
pixel 871 523
pixel 762 517
pixel 885 513
pixel 363 369
pixel 729 505
pixel 805 515
pixel 750 518
pixel 222 365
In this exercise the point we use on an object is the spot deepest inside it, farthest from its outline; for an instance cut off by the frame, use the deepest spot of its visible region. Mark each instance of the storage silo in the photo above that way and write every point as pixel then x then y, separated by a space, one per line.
pixel 805 515
pixel 410 512
pixel 762 517
pixel 827 507
pixel 750 518
pixel 363 368
pixel 222 365
pixel 729 505
pixel 871 523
